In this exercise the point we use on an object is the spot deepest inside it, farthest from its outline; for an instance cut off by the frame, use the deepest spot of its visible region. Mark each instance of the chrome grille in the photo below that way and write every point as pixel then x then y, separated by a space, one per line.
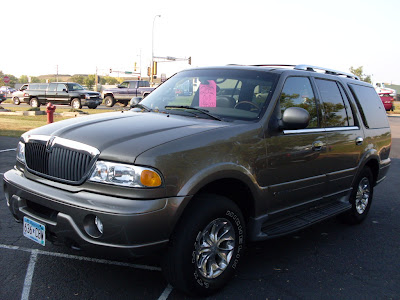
pixel 57 161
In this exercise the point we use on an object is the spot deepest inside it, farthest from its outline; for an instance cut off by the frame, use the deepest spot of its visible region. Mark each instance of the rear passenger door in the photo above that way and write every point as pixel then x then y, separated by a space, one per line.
pixel 344 136
pixel 51 92
pixel 62 96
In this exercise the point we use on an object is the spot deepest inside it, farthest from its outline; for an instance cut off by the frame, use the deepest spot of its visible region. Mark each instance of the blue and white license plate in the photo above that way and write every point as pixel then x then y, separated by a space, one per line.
pixel 35 231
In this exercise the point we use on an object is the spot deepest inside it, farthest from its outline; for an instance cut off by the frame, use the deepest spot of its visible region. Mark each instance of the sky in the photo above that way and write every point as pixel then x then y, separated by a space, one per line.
pixel 80 37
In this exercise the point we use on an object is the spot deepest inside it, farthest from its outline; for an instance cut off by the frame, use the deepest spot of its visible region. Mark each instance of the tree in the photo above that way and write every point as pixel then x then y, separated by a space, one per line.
pixel 78 79
pixel 359 72
pixel 23 79
pixel 109 80
pixel 89 81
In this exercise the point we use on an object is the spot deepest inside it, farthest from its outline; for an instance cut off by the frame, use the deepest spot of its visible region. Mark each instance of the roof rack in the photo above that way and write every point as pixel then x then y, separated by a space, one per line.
pixel 312 69
pixel 327 71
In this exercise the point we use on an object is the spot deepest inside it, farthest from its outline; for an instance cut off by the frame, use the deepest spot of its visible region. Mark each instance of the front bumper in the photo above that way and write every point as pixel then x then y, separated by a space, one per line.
pixel 131 227
pixel 94 101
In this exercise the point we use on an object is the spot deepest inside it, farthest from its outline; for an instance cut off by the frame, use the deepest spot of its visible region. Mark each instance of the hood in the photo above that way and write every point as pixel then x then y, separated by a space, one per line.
pixel 122 136
pixel 88 92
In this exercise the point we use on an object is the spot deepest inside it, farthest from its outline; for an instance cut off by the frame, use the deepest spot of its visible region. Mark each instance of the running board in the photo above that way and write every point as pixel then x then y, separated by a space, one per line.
pixel 305 219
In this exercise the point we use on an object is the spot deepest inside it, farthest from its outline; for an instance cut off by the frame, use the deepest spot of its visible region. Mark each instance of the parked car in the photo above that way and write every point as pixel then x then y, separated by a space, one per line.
pixel 17 96
pixel 388 101
pixel 256 152
pixel 126 91
pixel 61 93
pixel 7 90
pixel 2 97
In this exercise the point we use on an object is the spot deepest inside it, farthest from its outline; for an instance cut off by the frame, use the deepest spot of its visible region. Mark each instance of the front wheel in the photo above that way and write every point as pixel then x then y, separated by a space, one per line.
pixel 206 247
pixel 16 101
pixel 34 102
pixel 76 103
pixel 109 101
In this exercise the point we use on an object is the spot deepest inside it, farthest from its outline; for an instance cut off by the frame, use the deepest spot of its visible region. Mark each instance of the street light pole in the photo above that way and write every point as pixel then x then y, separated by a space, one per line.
pixel 152 49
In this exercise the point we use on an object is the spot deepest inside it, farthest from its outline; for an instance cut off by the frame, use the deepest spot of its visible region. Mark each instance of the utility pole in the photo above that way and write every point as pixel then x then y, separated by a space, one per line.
pixel 152 50
pixel 57 74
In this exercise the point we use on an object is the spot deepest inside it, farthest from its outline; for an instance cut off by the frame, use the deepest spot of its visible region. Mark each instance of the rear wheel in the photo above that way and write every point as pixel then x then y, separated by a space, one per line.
pixel 76 103
pixel 206 247
pixel 16 101
pixel 34 102
pixel 361 197
pixel 109 101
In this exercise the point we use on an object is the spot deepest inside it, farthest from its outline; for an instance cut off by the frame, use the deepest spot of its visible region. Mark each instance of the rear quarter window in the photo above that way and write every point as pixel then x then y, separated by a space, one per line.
pixel 370 105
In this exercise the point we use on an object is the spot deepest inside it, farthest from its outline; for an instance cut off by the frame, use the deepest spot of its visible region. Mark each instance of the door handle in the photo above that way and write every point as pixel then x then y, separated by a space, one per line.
pixel 317 146
pixel 359 141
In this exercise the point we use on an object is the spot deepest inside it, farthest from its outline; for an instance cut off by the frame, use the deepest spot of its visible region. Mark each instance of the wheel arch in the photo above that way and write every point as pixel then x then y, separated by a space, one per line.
pixel 238 187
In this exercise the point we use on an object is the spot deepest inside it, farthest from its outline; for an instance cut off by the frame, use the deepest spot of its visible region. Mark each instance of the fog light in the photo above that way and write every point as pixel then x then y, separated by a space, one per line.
pixel 98 224
pixel 93 226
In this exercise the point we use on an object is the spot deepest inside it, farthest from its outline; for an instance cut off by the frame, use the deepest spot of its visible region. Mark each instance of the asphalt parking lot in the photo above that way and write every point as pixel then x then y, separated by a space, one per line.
pixel 330 260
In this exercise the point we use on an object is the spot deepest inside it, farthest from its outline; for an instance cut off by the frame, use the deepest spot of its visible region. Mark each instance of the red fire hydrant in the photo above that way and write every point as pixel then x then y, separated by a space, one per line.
pixel 50 112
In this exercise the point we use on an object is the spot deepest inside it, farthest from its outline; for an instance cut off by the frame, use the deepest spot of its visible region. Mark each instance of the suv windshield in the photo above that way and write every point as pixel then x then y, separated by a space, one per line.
pixel 225 94
pixel 74 87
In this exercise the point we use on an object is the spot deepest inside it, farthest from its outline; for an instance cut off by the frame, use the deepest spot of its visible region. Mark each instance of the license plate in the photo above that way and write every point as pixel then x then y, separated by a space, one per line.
pixel 35 231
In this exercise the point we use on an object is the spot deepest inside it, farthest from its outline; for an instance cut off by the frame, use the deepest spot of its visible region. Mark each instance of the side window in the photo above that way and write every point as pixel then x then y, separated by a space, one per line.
pixel 333 105
pixel 132 85
pixel 124 84
pixel 370 106
pixel 350 116
pixel 298 92
pixel 52 87
pixel 24 87
pixel 61 87
pixel 144 84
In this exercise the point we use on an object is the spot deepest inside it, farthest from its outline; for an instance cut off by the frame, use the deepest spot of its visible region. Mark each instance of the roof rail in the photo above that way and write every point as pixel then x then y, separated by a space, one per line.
pixel 327 71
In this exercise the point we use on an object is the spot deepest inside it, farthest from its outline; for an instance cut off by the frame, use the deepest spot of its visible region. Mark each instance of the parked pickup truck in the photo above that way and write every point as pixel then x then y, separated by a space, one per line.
pixel 61 93
pixel 126 91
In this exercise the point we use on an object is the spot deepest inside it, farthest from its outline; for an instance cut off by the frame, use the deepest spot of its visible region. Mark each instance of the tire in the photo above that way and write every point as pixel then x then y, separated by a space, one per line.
pixel 76 103
pixel 34 102
pixel 16 101
pixel 182 263
pixel 361 197
pixel 109 101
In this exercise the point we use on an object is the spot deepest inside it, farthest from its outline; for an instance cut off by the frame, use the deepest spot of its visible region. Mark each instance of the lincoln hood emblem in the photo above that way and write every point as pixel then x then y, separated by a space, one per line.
pixel 49 144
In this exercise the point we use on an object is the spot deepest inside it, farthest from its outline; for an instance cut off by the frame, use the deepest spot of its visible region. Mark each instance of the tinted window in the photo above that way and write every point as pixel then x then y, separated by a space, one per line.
pixel 370 105
pixel 298 92
pixel 34 86
pixel 124 84
pixel 349 111
pixel 52 87
pixel 43 86
pixel 61 87
pixel 144 84
pixel 333 105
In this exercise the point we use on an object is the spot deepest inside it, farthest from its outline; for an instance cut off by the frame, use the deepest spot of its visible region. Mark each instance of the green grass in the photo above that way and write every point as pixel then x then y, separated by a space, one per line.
pixel 17 125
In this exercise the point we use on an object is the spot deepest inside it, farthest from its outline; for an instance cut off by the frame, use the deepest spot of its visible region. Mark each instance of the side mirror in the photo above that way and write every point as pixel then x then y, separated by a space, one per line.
pixel 134 101
pixel 294 118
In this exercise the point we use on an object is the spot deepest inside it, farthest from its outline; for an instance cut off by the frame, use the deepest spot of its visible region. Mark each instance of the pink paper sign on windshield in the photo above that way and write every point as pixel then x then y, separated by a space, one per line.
pixel 208 94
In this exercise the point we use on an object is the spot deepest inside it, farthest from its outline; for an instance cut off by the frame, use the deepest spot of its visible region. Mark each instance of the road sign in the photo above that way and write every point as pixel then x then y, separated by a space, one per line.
pixel 6 79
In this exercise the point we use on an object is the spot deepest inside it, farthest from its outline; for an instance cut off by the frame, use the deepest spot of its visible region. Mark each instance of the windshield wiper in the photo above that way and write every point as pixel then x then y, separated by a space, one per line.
pixel 145 108
pixel 203 111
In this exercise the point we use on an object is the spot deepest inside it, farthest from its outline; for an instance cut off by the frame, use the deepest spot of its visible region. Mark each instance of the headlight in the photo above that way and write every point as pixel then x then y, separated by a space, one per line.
pixel 125 175
pixel 87 96
pixel 21 152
